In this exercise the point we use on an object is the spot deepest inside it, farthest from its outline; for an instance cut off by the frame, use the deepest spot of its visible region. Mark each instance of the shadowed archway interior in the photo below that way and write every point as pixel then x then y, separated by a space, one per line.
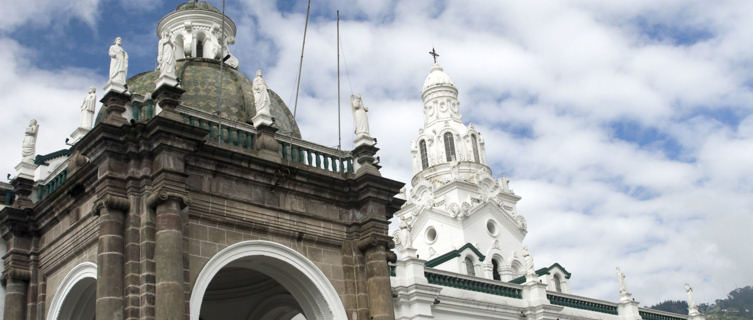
pixel 238 293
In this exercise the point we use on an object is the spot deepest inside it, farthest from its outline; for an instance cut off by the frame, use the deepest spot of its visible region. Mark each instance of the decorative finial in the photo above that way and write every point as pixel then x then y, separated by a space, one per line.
pixel 434 54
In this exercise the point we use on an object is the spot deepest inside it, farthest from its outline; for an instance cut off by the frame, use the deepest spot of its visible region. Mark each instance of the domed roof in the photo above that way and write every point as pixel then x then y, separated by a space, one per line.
pixel 437 77
pixel 197 5
pixel 200 77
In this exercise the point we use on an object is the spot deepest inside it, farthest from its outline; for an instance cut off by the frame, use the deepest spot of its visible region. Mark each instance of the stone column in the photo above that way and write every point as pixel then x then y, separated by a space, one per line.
pixel 15 299
pixel 111 210
pixel 378 277
pixel 170 299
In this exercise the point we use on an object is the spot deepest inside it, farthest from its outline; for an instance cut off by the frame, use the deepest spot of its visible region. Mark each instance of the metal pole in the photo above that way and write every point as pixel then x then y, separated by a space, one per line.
pixel 222 62
pixel 339 135
pixel 300 64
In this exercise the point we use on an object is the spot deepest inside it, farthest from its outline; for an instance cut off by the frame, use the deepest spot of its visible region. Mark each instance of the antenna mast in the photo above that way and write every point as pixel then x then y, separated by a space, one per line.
pixel 339 135
pixel 222 62
pixel 300 64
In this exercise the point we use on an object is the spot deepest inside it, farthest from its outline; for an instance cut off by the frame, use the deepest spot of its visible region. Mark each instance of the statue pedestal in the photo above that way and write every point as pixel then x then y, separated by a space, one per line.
pixel 26 169
pixel 364 156
pixel 168 98
pixel 115 87
pixel 364 140
pixel 266 145
pixel 166 80
pixel 114 103
pixel 534 293
pixel 78 134
pixel 628 310
pixel 262 119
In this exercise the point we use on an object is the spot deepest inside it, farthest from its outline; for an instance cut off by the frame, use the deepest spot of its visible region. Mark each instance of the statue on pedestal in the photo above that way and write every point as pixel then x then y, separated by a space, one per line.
pixel 360 120
pixel 403 234
pixel 29 147
pixel 166 56
pixel 528 258
pixel 621 279
pixel 118 63
pixel 87 109
pixel 692 307
pixel 261 101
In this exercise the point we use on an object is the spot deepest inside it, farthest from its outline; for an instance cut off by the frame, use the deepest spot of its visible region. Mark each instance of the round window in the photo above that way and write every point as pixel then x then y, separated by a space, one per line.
pixel 431 234
pixel 491 227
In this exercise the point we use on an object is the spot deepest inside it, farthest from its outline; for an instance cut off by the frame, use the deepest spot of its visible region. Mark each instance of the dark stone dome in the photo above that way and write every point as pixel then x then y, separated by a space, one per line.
pixel 197 5
pixel 200 77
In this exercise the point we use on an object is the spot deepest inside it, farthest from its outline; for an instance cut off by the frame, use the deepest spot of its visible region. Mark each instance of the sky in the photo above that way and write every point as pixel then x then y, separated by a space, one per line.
pixel 626 126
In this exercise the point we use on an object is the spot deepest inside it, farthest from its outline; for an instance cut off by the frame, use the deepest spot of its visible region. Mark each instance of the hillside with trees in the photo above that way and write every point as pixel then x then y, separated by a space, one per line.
pixel 738 305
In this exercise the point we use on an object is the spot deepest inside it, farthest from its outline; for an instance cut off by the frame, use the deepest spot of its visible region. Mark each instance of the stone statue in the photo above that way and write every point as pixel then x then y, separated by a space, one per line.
pixel 403 234
pixel 28 150
pixel 87 109
pixel 530 272
pixel 166 56
pixel 187 38
pixel 621 279
pixel 212 43
pixel 360 121
pixel 692 307
pixel 118 63
pixel 261 96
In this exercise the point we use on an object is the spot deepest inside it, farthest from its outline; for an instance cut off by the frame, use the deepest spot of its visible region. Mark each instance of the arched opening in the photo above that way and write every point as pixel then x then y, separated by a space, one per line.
pixel 76 296
pixel 424 156
pixel 263 280
pixel 200 39
pixel 179 53
pixel 469 267
pixel 557 283
pixel 474 142
pixel 449 146
pixel 495 270
pixel 517 268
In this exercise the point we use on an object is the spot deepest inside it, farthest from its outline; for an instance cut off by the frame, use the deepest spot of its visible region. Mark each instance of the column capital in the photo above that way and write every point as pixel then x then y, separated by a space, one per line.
pixel 373 241
pixel 161 196
pixel 111 202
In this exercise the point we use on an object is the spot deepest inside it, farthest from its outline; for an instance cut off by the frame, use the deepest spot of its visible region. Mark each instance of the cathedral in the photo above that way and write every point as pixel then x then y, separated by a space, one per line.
pixel 192 194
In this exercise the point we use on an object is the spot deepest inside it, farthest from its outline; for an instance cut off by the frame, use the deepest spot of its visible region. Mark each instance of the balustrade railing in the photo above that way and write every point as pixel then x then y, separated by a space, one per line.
pixel 315 156
pixel 229 135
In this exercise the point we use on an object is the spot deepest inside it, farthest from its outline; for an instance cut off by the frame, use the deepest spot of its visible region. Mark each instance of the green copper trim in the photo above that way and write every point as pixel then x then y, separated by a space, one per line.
pixel 454 254
pixel 581 304
pixel 41 160
pixel 646 315
pixel 541 272
pixel 472 285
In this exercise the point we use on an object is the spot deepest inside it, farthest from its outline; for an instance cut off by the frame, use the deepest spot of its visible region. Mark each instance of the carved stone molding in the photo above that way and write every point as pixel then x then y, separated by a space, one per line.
pixel 161 196
pixel 16 273
pixel 111 202
pixel 375 241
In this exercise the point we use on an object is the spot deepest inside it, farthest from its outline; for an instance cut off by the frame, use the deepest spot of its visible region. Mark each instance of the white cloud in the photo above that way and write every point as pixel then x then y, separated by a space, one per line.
pixel 43 13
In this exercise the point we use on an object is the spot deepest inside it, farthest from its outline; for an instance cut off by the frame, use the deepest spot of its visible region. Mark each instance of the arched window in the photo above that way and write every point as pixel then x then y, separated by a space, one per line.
pixel 424 157
pixel 475 148
pixel 557 284
pixel 495 270
pixel 449 146
pixel 469 267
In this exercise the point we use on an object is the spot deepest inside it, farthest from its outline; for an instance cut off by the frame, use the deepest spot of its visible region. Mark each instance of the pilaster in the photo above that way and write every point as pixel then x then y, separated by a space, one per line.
pixel 17 233
pixel 266 145
pixel 110 256
pixel 170 299
pixel 378 284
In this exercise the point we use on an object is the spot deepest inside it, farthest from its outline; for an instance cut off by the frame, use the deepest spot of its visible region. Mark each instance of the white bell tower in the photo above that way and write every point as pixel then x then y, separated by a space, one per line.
pixel 457 216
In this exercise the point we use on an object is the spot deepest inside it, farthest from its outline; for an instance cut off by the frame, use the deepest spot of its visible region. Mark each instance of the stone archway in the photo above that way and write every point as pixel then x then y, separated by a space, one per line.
pixel 290 283
pixel 76 296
